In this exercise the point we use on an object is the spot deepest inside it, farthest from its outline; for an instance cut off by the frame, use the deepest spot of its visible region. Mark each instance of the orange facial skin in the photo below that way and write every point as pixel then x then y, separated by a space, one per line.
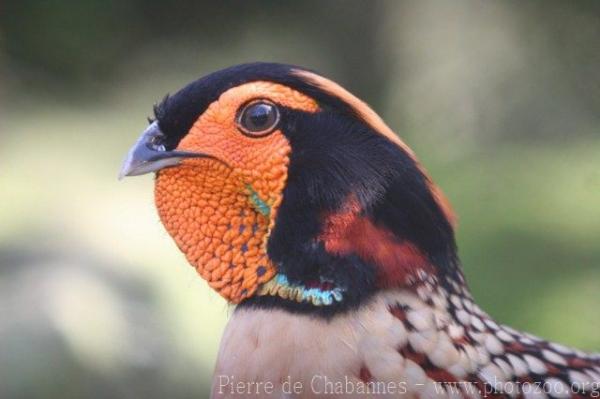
pixel 220 210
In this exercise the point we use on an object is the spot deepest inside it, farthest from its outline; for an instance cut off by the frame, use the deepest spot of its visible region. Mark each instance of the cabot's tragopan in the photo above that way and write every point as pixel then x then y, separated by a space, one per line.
pixel 296 202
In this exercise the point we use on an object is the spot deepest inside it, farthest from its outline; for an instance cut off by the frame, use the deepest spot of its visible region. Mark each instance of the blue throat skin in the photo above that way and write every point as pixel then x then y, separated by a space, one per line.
pixel 260 205
pixel 280 286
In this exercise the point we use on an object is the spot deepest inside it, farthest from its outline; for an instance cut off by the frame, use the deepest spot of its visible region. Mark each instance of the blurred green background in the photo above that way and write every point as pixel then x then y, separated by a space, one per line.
pixel 500 99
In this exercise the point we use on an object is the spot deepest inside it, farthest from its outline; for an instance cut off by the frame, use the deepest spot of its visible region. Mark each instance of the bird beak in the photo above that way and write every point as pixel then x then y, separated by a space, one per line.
pixel 148 154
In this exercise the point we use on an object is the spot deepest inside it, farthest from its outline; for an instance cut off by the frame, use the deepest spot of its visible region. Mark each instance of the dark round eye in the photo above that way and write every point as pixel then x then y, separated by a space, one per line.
pixel 258 118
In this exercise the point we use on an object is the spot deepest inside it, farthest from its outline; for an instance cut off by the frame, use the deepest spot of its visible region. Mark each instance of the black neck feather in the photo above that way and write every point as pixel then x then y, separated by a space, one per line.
pixel 336 156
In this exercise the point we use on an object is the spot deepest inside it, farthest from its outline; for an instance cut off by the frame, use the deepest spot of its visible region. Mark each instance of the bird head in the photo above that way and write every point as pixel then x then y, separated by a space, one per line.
pixel 283 189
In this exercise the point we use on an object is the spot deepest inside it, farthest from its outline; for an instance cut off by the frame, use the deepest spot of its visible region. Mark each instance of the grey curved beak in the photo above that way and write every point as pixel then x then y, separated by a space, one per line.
pixel 148 154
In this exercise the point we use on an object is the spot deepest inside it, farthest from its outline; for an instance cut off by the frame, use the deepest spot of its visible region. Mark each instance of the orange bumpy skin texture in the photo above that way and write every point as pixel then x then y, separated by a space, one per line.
pixel 220 211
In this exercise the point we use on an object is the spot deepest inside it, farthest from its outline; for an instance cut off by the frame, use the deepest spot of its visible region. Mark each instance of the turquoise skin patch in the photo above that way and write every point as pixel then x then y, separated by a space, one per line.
pixel 318 297
pixel 260 205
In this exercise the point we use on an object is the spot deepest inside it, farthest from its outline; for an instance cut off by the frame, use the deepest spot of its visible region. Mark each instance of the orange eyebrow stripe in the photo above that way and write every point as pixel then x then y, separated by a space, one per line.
pixel 378 124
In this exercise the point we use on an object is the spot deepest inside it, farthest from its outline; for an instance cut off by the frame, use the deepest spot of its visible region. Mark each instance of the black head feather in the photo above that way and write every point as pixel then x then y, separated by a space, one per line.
pixel 335 154
pixel 177 113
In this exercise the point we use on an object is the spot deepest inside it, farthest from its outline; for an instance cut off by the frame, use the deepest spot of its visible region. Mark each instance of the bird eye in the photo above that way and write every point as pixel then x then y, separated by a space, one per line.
pixel 258 118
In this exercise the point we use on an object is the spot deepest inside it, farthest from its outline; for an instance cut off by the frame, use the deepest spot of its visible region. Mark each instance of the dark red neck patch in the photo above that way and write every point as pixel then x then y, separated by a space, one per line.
pixel 398 262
